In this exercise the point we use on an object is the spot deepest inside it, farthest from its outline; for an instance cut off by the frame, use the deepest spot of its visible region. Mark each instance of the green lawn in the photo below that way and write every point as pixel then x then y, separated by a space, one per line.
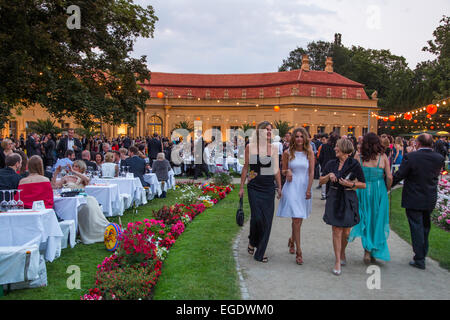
pixel 439 239
pixel 200 265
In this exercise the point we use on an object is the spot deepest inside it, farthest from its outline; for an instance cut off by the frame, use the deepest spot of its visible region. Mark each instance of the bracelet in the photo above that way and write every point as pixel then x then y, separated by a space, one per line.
pixel 353 185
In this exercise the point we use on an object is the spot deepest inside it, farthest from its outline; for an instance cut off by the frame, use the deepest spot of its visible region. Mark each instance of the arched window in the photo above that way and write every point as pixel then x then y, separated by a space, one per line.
pixel 155 125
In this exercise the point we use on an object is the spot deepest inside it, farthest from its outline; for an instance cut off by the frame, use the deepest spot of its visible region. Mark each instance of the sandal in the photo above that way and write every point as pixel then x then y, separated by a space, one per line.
pixel 291 246
pixel 299 259
pixel 250 251
pixel 265 260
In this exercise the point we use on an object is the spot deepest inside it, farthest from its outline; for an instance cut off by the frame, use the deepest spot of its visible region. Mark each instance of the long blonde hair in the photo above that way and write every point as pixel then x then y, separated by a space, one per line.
pixel 306 143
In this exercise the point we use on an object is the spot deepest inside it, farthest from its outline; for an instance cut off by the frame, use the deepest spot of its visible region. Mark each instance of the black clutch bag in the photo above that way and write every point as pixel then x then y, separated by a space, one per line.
pixel 240 214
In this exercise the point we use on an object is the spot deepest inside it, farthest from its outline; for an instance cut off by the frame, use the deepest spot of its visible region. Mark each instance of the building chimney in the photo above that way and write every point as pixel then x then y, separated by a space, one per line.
pixel 305 62
pixel 329 65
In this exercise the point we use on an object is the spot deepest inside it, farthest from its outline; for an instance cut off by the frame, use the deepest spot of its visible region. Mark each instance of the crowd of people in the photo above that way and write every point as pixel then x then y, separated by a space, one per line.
pixel 355 175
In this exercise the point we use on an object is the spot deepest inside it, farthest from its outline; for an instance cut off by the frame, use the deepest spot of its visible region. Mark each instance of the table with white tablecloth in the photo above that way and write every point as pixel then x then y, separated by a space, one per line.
pixel 66 208
pixel 155 185
pixel 20 227
pixel 130 186
pixel 108 195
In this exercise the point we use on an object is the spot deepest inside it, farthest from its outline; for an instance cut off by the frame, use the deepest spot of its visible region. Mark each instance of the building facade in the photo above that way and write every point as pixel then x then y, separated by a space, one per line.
pixel 321 101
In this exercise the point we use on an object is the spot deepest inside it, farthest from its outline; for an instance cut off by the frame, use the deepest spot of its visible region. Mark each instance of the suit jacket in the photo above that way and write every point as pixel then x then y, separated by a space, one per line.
pixel 33 147
pixel 441 148
pixel 154 147
pixel 137 167
pixel 420 170
pixel 62 147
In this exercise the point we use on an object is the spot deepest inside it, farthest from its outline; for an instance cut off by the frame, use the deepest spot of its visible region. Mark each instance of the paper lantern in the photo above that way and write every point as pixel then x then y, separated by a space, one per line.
pixel 385 119
pixel 407 116
pixel 415 121
pixel 392 127
pixel 111 236
pixel 276 108
pixel 160 95
pixel 392 118
pixel 432 127
pixel 429 116
pixel 431 109
pixel 447 125
pixel 350 127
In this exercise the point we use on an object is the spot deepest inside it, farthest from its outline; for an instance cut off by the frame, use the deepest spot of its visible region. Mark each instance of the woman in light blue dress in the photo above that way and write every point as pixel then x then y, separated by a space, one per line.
pixel 295 203
pixel 373 201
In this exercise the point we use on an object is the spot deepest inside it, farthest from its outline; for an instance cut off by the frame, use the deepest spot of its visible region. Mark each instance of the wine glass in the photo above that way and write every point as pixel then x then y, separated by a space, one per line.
pixel 4 203
pixel 12 202
pixel 20 204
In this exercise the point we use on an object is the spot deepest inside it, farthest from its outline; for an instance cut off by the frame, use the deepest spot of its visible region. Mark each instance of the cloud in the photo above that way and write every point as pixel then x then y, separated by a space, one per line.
pixel 244 36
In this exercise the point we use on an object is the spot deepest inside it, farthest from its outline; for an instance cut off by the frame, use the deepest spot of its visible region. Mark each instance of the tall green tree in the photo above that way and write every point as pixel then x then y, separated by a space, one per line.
pixel 86 73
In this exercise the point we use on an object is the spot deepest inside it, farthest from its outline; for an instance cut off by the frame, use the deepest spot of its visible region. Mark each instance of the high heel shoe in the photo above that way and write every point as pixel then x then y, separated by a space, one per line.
pixel 299 259
pixel 336 272
pixel 291 246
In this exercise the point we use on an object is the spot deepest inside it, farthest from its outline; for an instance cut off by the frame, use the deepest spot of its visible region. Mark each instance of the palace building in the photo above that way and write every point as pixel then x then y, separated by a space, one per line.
pixel 321 101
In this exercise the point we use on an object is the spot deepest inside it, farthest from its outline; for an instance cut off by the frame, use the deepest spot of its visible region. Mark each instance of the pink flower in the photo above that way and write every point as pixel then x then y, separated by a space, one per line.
pixel 448 221
pixel 444 215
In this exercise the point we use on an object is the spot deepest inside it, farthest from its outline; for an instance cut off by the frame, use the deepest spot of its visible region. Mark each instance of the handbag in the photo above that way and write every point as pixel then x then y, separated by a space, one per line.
pixel 240 213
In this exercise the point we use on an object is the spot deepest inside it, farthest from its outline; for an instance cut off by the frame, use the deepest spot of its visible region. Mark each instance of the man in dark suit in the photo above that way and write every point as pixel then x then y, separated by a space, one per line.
pixel 420 170
pixel 441 147
pixel 126 143
pixel 69 143
pixel 33 146
pixel 137 165
pixel 199 163
pixel 9 179
pixel 86 157
pixel 154 147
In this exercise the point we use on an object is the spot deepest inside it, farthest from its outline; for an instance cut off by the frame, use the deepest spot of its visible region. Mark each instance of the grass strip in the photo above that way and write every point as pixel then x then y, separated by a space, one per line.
pixel 201 266
pixel 439 239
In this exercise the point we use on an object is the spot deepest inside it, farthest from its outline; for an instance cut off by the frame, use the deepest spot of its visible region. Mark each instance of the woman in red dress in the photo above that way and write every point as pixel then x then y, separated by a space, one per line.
pixel 35 186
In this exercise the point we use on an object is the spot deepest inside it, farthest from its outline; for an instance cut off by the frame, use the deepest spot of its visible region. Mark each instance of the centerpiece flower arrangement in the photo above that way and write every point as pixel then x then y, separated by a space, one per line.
pixel 132 271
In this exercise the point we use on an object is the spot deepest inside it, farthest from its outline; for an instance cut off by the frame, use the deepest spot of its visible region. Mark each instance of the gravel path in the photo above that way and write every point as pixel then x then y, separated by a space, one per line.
pixel 282 279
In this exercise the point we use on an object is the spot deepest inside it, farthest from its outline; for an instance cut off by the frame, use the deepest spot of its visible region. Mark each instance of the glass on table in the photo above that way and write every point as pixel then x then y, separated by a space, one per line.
pixel 12 204
pixel 20 204
pixel 4 203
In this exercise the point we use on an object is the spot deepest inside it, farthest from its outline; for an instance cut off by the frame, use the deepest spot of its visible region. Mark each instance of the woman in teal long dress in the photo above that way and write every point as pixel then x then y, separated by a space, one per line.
pixel 373 228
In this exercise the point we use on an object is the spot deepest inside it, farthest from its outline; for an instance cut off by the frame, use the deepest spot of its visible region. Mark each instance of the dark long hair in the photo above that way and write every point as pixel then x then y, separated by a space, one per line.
pixel 371 146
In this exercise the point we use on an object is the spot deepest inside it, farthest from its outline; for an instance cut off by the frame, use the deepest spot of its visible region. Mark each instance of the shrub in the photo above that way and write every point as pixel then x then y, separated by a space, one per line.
pixel 222 178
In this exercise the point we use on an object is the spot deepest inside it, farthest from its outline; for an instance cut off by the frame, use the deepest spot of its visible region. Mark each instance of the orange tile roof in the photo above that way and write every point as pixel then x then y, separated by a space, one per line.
pixel 216 84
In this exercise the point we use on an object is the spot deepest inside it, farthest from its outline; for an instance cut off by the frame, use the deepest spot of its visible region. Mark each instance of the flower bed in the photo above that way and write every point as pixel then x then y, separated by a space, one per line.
pixel 441 216
pixel 132 271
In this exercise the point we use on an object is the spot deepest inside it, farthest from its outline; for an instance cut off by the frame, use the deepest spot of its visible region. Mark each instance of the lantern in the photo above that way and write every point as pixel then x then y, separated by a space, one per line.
pixel 432 127
pixel 415 121
pixel 160 95
pixel 385 119
pixel 392 118
pixel 198 118
pixel 429 116
pixel 392 128
pixel 276 108
pixel 407 116
pixel 431 109
pixel 447 125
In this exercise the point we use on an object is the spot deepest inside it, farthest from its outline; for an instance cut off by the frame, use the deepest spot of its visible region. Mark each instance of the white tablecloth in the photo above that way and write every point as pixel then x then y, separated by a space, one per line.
pixel 20 227
pixel 67 207
pixel 108 195
pixel 155 185
pixel 131 186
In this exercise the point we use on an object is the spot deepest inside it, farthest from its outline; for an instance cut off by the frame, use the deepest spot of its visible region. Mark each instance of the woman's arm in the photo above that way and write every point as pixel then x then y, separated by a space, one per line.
pixel 312 162
pixel 57 184
pixel 285 166
pixel 244 171
pixel 388 173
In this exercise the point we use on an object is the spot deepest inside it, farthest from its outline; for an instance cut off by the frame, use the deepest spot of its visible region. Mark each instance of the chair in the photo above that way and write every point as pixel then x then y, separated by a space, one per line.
pixel 22 267
pixel 68 229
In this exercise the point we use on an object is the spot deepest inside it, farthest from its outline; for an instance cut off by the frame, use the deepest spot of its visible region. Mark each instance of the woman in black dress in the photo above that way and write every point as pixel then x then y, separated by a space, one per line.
pixel 341 209
pixel 261 164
